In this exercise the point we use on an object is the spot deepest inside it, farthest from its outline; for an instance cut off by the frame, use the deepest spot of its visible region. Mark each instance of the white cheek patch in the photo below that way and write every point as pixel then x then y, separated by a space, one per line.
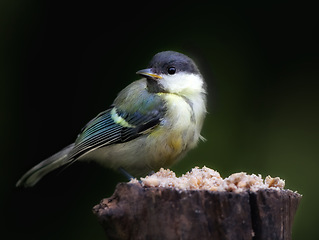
pixel 183 83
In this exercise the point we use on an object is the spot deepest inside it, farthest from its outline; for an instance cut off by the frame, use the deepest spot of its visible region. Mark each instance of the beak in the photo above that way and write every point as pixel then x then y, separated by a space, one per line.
pixel 148 73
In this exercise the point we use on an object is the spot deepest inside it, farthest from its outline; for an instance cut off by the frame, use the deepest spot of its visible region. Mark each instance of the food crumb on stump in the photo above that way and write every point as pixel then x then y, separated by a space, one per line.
pixel 209 179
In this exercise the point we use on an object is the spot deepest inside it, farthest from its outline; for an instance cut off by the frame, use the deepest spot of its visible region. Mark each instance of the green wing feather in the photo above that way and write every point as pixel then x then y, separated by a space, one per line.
pixel 121 123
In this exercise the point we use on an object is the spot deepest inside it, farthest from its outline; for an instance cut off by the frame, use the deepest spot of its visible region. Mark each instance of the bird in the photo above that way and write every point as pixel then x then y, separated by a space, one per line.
pixel 152 123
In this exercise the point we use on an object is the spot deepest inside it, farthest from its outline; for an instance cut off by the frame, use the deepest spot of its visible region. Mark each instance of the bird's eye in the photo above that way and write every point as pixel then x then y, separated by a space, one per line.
pixel 171 70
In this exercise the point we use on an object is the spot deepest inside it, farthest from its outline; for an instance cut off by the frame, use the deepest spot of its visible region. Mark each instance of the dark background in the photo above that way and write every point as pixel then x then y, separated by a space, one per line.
pixel 61 63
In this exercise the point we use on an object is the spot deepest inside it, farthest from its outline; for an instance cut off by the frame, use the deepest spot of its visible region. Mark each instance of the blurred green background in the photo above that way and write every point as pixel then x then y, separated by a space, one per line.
pixel 61 63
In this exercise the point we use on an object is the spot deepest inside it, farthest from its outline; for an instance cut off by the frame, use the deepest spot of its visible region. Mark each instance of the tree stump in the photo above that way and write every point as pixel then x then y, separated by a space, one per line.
pixel 137 212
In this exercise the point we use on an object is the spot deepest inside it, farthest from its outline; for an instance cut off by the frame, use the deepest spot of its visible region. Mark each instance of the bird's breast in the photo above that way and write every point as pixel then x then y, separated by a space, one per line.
pixel 176 132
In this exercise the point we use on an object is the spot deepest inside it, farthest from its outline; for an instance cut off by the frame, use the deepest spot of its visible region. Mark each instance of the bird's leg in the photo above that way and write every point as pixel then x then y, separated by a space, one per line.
pixel 125 173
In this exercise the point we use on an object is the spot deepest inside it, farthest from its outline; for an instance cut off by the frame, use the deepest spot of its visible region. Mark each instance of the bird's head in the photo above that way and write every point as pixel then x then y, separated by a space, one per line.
pixel 173 72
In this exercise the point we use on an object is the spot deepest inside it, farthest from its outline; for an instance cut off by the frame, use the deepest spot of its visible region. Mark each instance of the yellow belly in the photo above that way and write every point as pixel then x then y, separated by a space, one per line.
pixel 176 133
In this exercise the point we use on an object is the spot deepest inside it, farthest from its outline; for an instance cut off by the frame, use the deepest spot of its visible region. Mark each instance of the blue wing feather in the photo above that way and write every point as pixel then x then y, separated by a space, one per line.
pixel 103 130
pixel 137 112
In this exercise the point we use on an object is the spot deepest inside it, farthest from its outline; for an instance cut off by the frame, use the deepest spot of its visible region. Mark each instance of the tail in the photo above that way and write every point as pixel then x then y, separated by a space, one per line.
pixel 30 178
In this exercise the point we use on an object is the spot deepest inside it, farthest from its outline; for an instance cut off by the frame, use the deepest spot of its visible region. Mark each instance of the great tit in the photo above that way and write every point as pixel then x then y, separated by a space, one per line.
pixel 152 123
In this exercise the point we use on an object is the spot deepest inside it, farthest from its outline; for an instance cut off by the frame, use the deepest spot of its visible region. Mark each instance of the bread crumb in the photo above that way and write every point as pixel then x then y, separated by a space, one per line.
pixel 208 179
pixel 275 182
pixel 134 180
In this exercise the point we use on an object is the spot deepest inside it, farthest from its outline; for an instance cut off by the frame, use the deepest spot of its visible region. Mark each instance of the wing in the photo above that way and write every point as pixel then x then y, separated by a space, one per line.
pixel 115 126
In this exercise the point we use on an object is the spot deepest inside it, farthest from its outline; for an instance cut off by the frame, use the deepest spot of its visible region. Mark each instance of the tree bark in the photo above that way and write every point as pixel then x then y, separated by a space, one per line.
pixel 136 212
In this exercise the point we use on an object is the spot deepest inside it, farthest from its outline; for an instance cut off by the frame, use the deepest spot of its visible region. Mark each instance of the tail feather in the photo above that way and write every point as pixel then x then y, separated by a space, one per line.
pixel 59 159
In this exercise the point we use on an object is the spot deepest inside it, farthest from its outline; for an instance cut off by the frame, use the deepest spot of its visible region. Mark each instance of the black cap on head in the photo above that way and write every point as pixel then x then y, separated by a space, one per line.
pixel 170 62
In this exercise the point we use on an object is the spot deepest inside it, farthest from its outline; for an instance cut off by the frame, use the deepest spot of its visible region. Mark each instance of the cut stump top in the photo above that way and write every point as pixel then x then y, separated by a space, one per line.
pixel 137 212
